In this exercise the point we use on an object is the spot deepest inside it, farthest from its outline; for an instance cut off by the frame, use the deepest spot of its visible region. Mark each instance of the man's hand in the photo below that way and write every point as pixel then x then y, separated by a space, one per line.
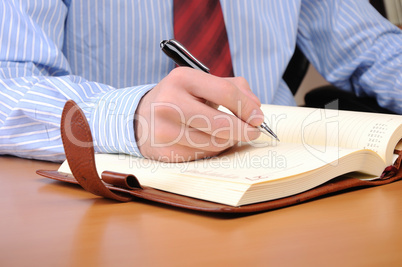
pixel 176 121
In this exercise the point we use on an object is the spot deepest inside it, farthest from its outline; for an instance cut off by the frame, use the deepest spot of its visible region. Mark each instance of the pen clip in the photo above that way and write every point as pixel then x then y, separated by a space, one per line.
pixel 176 51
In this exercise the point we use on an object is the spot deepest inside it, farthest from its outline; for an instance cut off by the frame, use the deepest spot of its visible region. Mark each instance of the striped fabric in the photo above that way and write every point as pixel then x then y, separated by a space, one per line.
pixel 51 51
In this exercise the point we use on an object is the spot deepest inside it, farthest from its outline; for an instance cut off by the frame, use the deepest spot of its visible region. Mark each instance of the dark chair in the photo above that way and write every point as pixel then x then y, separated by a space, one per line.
pixel 320 97
pixel 296 70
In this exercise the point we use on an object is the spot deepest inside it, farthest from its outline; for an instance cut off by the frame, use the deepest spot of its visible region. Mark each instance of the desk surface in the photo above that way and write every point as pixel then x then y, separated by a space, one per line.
pixel 49 223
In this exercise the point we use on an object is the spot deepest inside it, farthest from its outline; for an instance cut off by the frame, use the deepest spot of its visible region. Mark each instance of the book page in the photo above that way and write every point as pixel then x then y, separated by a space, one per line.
pixel 316 145
pixel 310 139
pixel 334 128
pixel 242 164
pixel 289 168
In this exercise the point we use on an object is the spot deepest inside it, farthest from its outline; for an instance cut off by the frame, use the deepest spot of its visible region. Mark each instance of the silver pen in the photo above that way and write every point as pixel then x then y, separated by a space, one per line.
pixel 183 57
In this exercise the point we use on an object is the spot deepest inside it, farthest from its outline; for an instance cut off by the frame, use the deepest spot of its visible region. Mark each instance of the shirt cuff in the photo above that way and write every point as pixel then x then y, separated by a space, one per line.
pixel 112 120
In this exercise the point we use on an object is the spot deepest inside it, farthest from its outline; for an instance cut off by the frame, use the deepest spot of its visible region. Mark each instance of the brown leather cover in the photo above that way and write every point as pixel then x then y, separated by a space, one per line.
pixel 78 146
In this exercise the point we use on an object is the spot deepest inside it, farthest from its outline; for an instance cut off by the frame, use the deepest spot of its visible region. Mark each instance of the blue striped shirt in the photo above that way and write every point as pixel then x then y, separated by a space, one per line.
pixel 52 51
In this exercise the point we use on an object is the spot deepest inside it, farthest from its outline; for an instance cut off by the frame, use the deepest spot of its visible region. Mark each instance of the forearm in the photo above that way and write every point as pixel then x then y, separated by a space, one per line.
pixel 380 74
pixel 354 48
pixel 35 82
pixel 30 112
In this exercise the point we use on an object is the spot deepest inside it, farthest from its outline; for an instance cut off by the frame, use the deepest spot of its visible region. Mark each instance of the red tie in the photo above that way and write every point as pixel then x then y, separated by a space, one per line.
pixel 199 26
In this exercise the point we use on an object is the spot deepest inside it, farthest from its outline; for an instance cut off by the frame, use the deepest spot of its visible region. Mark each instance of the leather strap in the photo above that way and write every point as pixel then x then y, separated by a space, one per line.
pixel 78 146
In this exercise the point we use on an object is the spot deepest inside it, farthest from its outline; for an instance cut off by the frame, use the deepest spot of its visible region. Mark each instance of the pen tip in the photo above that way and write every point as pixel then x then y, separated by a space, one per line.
pixel 266 130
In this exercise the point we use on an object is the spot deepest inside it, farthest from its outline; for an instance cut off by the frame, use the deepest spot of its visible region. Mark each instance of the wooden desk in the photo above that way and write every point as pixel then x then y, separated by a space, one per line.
pixel 49 223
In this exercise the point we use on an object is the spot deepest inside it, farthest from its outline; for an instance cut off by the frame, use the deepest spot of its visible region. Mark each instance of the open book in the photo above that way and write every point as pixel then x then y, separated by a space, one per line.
pixel 316 146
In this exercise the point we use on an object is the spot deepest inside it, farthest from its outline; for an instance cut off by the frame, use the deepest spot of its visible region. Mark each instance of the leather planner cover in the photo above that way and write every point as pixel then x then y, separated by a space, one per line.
pixel 126 187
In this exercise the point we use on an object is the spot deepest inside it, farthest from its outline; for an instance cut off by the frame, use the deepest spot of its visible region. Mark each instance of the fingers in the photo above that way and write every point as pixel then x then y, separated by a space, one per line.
pixel 191 138
pixel 217 123
pixel 243 85
pixel 175 123
pixel 206 131
pixel 232 93
pixel 174 142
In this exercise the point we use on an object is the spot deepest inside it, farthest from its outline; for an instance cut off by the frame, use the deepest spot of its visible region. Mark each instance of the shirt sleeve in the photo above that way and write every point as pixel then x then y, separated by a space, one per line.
pixel 35 83
pixel 354 48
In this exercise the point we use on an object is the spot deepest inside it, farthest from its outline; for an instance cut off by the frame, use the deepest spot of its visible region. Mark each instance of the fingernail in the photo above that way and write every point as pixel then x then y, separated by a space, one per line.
pixel 256 117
